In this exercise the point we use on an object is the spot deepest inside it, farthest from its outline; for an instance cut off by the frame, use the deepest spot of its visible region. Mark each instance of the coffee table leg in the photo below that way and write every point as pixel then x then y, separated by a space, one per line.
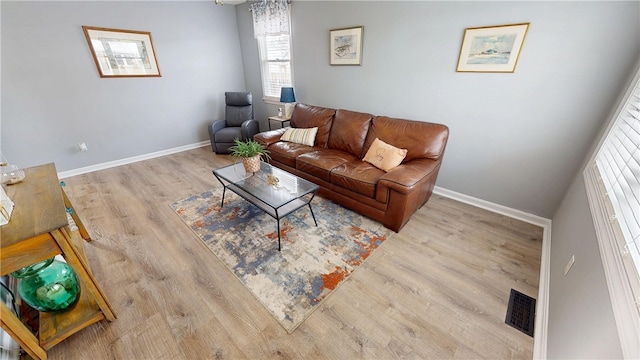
pixel 278 234
pixel 224 189
pixel 310 209
pixel 312 215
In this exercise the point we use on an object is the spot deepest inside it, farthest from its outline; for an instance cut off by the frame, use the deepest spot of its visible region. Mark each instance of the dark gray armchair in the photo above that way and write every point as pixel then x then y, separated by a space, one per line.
pixel 239 122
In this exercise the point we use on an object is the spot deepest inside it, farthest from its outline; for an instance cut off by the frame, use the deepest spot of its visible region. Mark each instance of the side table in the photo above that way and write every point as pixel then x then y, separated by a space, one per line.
pixel 39 230
pixel 279 119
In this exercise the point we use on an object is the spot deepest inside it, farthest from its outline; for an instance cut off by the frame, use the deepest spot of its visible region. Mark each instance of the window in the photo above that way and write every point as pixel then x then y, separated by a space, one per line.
pixel 275 64
pixel 612 179
pixel 272 30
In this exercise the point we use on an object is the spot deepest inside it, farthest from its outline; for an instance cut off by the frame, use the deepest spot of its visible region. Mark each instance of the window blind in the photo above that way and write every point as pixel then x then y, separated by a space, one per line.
pixel 618 164
pixel 612 181
pixel 275 58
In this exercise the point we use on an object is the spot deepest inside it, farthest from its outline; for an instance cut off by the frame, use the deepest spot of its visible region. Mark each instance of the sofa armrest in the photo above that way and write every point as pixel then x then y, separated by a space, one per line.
pixel 269 137
pixel 408 176
pixel 405 189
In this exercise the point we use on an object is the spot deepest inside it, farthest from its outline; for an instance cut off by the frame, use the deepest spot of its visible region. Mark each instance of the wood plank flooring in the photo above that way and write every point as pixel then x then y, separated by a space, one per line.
pixel 438 289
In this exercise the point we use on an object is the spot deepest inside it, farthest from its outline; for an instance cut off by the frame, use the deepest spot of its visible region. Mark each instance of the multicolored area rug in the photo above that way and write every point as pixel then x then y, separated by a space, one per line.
pixel 313 262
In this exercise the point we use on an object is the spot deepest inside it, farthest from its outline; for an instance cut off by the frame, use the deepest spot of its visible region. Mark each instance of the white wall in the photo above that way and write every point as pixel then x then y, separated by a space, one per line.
pixel 516 139
pixel 53 97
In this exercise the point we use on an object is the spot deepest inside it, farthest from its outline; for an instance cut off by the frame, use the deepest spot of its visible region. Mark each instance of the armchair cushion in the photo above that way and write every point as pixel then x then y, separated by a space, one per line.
pixel 228 135
pixel 238 108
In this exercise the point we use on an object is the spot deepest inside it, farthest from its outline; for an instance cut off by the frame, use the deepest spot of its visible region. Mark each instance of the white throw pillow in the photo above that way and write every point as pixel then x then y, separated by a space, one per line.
pixel 305 136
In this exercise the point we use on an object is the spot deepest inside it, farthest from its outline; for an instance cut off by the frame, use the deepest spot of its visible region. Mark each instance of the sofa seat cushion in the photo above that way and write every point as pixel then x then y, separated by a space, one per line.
pixel 286 152
pixel 358 176
pixel 320 162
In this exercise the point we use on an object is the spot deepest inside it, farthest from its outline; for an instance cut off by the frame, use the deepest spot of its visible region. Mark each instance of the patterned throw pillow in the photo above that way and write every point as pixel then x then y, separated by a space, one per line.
pixel 384 156
pixel 305 136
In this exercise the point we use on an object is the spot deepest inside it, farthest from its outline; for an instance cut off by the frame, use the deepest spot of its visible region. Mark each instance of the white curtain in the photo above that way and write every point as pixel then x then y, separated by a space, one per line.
pixel 270 17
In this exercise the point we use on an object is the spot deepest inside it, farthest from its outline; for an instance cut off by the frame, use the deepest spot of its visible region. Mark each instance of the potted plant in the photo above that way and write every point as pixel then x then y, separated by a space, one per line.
pixel 250 152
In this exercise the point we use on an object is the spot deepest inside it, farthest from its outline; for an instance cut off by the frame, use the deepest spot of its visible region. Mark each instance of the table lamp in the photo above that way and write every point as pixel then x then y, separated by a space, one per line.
pixel 288 98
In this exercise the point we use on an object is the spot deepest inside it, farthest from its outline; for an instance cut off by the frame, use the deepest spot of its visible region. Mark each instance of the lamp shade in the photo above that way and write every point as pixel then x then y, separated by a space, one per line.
pixel 286 95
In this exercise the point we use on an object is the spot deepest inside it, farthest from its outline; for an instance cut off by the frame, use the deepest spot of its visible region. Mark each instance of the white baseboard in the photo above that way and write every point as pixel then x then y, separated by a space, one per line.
pixel 542 302
pixel 133 159
pixel 493 207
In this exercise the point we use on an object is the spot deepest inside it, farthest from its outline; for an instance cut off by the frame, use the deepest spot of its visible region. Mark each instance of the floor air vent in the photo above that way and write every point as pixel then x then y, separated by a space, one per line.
pixel 521 312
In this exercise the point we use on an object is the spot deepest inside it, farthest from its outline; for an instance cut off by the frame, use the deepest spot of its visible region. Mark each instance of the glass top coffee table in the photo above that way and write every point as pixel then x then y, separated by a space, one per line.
pixel 275 191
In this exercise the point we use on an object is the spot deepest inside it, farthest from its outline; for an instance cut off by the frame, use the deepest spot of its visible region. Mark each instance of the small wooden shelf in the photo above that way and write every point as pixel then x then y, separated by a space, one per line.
pixel 38 229
pixel 56 327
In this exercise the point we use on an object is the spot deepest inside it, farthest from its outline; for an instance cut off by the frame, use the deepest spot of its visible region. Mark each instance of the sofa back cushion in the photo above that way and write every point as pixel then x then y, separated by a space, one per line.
pixel 349 131
pixel 308 116
pixel 421 139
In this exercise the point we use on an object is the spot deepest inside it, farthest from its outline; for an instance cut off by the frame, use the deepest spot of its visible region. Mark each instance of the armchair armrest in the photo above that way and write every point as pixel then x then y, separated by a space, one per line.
pixel 249 128
pixel 269 137
pixel 214 127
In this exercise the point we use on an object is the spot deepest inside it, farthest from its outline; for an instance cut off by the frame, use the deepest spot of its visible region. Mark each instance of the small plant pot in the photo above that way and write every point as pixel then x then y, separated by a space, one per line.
pixel 252 164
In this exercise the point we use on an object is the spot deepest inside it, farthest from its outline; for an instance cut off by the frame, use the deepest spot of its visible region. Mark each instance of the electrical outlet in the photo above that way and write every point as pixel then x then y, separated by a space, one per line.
pixel 569 264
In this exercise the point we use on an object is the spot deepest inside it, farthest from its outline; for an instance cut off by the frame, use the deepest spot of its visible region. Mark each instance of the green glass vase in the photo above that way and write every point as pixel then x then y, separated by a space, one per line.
pixel 48 286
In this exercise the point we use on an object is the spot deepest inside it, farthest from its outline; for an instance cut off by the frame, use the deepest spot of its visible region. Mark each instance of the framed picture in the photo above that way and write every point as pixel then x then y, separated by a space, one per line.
pixel 122 53
pixel 492 48
pixel 345 46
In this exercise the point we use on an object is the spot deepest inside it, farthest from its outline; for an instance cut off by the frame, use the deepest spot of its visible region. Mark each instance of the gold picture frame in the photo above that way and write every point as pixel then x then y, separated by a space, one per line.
pixel 492 48
pixel 122 53
pixel 345 46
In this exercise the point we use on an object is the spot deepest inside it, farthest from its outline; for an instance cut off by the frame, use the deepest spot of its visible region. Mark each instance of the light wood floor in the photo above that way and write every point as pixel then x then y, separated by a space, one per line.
pixel 438 289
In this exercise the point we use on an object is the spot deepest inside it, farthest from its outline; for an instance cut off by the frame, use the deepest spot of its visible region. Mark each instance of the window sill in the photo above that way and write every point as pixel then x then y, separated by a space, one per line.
pixel 272 100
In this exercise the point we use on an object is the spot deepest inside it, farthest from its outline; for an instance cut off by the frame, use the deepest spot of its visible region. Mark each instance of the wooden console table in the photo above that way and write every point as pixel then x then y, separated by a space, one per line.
pixel 39 230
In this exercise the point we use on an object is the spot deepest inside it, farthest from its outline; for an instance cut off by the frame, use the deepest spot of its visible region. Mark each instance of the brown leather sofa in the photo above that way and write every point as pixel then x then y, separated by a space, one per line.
pixel 335 161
